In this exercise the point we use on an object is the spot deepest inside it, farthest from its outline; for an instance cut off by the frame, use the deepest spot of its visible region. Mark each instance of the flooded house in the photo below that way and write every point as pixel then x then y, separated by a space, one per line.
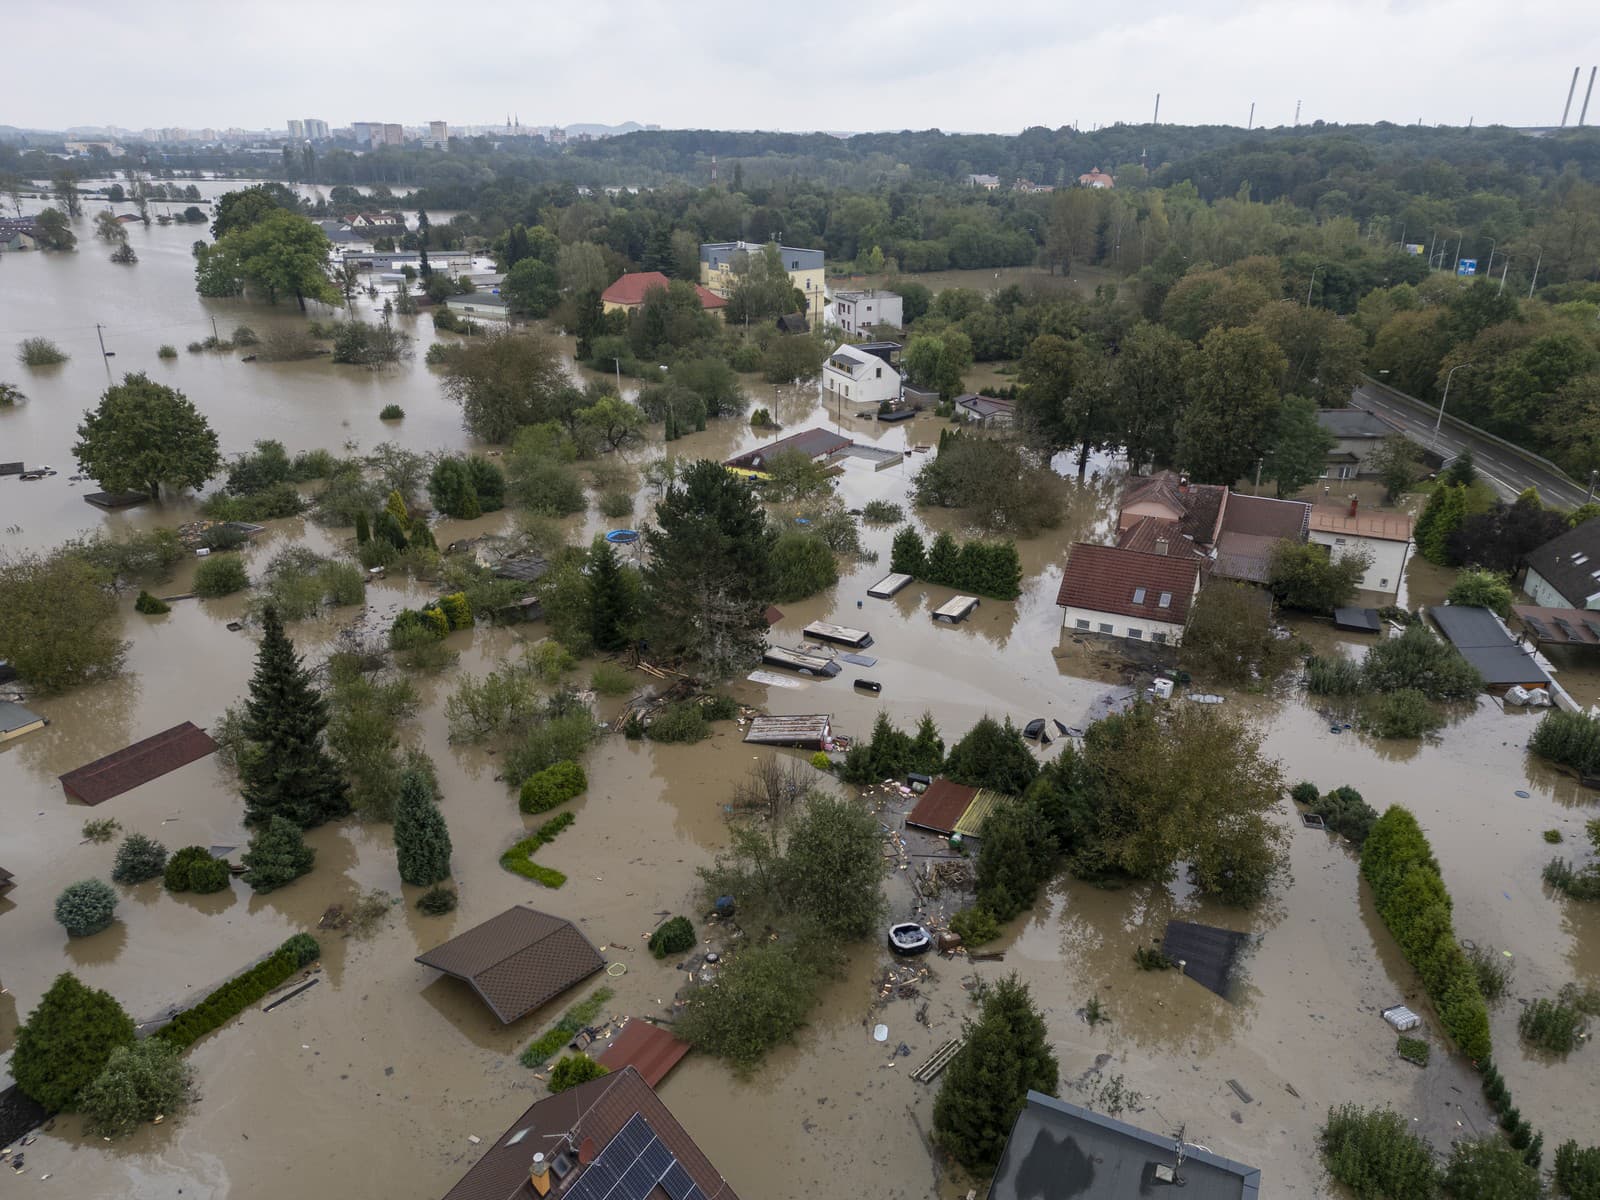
pixel 1128 594
pixel 627 294
pixel 855 375
pixel 517 961
pixel 1384 537
pixel 1565 571
pixel 1356 434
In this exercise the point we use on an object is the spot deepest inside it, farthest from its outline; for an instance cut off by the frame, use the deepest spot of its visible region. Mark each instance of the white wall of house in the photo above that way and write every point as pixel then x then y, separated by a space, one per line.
pixel 876 383
pixel 1543 593
pixel 1388 557
pixel 1137 629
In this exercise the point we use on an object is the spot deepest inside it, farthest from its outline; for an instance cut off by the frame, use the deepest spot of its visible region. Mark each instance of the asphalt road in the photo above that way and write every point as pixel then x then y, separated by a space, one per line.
pixel 1506 472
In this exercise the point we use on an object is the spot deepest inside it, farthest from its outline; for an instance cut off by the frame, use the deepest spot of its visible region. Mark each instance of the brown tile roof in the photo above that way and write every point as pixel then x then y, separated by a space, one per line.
pixel 594 1112
pixel 941 806
pixel 1199 504
pixel 1144 533
pixel 518 960
pixel 1263 516
pixel 648 1049
pixel 99 781
pixel 1106 579
pixel 1243 556
pixel 813 443
pixel 1384 526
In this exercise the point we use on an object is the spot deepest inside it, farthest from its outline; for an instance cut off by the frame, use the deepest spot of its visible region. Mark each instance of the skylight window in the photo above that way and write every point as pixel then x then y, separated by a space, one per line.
pixel 1165 601
pixel 1138 595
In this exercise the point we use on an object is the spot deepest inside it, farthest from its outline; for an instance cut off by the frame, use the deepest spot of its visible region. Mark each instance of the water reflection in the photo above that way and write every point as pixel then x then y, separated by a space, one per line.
pixel 98 949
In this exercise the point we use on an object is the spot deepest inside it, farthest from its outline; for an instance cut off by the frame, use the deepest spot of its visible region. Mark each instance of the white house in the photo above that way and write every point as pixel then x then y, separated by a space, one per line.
pixel 853 376
pixel 1127 593
pixel 1385 537
pixel 480 306
pixel 858 312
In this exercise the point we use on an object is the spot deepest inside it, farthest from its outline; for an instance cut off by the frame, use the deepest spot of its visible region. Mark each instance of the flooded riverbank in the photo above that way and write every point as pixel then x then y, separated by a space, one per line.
pixel 383 1052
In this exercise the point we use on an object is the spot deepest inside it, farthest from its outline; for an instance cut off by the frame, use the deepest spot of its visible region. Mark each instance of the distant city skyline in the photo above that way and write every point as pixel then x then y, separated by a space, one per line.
pixel 940 63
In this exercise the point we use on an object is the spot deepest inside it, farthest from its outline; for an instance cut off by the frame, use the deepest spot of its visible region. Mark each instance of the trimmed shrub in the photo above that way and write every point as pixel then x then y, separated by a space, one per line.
pixel 1374 1153
pixel 1413 1050
pixel 519 859
pixel 278 855
pixel 554 785
pixel 559 1034
pixel 139 858
pixel 437 901
pixel 192 869
pixel 86 907
pixel 233 997
pixel 574 1069
pixel 151 606
pixel 821 761
pixel 140 1082
pixel 1305 792
pixel 67 1041
pixel 221 575
pixel 674 937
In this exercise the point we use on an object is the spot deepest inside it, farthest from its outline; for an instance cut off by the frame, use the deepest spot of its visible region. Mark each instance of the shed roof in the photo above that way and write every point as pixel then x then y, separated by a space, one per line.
pixel 1571 563
pixel 1483 641
pixel 1349 424
pixel 1106 579
pixel 971 822
pixel 615 1117
pixel 99 781
pixel 14 717
pixel 648 1049
pixel 1560 626
pixel 813 443
pixel 518 960
pixel 1058 1149
pixel 941 806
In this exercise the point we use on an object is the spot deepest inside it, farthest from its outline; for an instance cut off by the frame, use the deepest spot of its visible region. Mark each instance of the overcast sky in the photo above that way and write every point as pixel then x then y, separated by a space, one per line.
pixel 997 66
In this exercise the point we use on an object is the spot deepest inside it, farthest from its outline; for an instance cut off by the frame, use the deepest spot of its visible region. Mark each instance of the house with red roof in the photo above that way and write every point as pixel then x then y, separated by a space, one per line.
pixel 629 291
pixel 1096 179
pixel 1131 594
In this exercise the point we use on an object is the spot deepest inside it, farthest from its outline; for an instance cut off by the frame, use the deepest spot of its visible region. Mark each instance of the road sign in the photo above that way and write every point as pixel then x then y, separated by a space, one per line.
pixel 1415 248
pixel 1467 266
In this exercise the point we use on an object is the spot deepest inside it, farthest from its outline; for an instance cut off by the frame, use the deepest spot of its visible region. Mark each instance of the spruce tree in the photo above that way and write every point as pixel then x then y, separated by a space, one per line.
pixel 1007 1054
pixel 291 774
pixel 421 838
pixel 67 1041
pixel 612 603
pixel 907 555
pixel 943 557
pixel 363 529
pixel 277 855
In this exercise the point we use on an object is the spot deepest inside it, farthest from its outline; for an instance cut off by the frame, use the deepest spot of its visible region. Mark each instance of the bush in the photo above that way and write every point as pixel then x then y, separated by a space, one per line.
pixel 166 351
pixel 1551 1025
pixel 1419 660
pixel 1374 1153
pixel 1150 958
pixel 40 352
pixel 1305 792
pixel 140 1082
pixel 820 760
pixel 278 855
pixel 102 829
pixel 67 1041
pixel 86 907
pixel 802 566
pixel 574 1069
pixel 554 785
pixel 1412 900
pixel 391 412
pixel 559 1034
pixel 1413 1050
pixel 437 901
pixel 233 997
pixel 975 926
pixel 457 610
pixel 559 737
pixel 1553 836
pixel 674 937
pixel 758 1000
pixel 1481 589
pixel 1488 1169
pixel 221 575
pixel 1568 739
pixel 1333 677
pixel 1492 969
pixel 611 680
pixel 152 606
pixel 1345 812
pixel 1406 713
pixel 243 335
pixel 139 858
pixel 1578 1171
pixel 681 721
pixel 193 869
pixel 519 858
pixel 881 512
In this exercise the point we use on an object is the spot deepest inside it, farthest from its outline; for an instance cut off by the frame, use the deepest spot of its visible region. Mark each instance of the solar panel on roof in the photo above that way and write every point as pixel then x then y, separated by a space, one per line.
pixel 1572 634
pixel 1538 628
pixel 631 1165
pixel 1592 626
pixel 677 1183
pixel 658 1158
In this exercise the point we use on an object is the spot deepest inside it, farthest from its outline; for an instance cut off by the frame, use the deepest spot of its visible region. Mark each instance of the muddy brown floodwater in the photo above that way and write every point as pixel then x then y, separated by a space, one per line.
pixel 372 1082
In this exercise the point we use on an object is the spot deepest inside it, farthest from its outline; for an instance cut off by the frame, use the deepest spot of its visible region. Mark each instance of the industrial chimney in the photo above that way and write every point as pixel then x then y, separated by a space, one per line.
pixel 539 1174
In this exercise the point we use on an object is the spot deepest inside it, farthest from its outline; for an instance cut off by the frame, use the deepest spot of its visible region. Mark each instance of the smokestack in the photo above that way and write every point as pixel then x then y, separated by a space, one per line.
pixel 1570 92
pixel 1587 92
pixel 539 1174
pixel 1355 503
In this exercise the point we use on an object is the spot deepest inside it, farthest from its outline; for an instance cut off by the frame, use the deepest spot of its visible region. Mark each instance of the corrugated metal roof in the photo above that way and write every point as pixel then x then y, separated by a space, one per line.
pixel 518 960
pixel 647 1048
pixel 99 781
pixel 971 823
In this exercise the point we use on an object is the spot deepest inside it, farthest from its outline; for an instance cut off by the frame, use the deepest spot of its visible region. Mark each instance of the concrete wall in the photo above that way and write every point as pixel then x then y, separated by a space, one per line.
pixel 1119 626
pixel 1388 558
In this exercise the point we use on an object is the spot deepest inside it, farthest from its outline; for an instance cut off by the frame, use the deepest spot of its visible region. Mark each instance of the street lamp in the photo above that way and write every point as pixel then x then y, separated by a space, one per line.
pixel 1439 420
pixel 1536 263
pixel 1489 270
pixel 1313 282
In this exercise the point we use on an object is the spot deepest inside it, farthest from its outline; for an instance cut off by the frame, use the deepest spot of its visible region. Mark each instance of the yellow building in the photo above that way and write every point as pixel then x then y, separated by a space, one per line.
pixel 805 267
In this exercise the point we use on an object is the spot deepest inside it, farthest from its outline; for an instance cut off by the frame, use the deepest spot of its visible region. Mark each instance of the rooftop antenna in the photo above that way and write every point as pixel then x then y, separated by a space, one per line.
pixel 1571 90
pixel 1156 120
pixel 1583 112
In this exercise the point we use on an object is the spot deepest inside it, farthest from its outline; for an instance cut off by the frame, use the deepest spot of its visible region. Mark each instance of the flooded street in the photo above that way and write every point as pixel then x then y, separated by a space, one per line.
pixel 385 1055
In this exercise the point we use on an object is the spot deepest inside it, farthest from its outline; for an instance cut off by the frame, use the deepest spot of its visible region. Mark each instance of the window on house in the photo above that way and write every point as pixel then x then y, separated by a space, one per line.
pixel 1159 639
pixel 1383 583
pixel 1165 601
pixel 1105 627
pixel 880 373
pixel 1138 595
pixel 1338 541
pixel 1135 634
pixel 1080 623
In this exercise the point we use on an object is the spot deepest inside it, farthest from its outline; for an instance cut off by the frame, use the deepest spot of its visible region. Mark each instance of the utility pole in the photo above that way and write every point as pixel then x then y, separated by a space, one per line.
pixel 1583 112
pixel 217 335
pixel 1535 278
pixel 1570 91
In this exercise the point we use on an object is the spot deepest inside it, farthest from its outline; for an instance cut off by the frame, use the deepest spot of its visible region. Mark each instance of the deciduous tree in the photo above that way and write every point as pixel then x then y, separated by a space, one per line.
pixel 58 620
pixel 1300 447
pixel 506 381
pixel 145 434
pixel 1233 405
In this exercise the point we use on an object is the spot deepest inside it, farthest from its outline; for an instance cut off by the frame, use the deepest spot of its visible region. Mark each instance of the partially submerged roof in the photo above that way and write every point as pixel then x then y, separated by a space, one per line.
pixel 1156 587
pixel 518 960
pixel 15 719
pixel 813 443
pixel 1571 563
pixel 1059 1150
pixel 1360 620
pixel 117 499
pixel 807 729
pixel 971 823
pixel 1210 956
pixel 99 781
pixel 941 806
pixel 1351 423
pixel 648 1049
pixel 529 569
pixel 1560 626
pixel 608 1134
pixel 1380 526
pixel 1485 643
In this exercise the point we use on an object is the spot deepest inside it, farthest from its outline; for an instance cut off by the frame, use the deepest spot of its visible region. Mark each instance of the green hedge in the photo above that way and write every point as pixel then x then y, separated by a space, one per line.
pixel 554 785
pixel 1412 900
pixel 519 859
pixel 559 1034
pixel 233 997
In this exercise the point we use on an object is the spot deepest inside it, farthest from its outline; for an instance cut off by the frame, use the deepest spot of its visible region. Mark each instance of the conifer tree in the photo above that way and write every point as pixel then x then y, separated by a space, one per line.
pixel 612 601
pixel 291 773
pixel 1007 1054
pixel 943 557
pixel 907 555
pixel 421 839
pixel 277 855
pixel 67 1041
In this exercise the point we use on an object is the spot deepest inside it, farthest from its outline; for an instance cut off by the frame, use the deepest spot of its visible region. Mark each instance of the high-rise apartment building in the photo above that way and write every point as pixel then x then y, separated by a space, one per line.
pixel 439 134
pixel 316 130
pixel 393 135
pixel 297 130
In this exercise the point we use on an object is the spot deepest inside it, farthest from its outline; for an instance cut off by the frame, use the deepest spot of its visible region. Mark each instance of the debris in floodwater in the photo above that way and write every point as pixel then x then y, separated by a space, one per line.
pixel 880 1033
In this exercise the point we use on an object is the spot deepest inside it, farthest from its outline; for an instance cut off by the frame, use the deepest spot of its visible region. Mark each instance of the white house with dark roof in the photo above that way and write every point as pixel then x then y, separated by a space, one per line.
pixel 1565 571
pixel 853 375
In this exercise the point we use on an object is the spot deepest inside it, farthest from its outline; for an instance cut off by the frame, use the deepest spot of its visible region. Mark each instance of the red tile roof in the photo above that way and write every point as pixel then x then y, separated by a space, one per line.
pixel 1106 579
pixel 631 289
pixel 941 806
pixel 589 1116
pixel 1144 533
pixel 647 1048
pixel 99 781
pixel 1195 505
pixel 518 960
pixel 1262 516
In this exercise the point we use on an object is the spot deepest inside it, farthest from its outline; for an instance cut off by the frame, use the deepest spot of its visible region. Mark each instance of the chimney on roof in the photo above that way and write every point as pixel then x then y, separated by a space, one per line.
pixel 1161 547
pixel 539 1174
pixel 1183 483
pixel 1355 503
